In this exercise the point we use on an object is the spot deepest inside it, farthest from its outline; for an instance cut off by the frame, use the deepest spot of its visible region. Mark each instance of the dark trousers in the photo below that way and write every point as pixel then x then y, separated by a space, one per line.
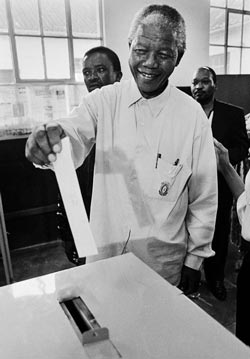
pixel 214 266
pixel 243 301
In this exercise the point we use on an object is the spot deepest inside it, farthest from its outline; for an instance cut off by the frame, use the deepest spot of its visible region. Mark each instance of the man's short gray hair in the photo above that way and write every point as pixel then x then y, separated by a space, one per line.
pixel 172 20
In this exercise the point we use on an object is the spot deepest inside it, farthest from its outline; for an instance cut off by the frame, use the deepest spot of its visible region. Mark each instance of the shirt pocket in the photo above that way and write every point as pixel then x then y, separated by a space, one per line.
pixel 168 181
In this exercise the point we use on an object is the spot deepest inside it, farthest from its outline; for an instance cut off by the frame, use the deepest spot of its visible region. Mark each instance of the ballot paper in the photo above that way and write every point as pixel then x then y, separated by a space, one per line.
pixel 73 202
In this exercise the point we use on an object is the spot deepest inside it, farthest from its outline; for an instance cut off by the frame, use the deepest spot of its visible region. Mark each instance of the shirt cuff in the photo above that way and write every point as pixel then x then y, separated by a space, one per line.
pixel 193 261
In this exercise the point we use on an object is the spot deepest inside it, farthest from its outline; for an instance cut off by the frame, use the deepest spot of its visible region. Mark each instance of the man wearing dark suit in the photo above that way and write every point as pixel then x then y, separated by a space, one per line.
pixel 228 127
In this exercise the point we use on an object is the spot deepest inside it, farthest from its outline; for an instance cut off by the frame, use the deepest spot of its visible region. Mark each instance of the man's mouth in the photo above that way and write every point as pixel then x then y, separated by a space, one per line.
pixel 148 76
pixel 198 94
pixel 94 85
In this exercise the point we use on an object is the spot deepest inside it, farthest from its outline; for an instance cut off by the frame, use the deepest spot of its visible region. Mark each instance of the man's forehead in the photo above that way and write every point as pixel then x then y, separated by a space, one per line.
pixel 156 31
pixel 202 72
pixel 96 58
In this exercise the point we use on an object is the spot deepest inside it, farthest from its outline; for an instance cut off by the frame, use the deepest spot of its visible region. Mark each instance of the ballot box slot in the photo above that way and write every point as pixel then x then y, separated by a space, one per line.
pixel 80 321
pixel 83 321
pixel 86 326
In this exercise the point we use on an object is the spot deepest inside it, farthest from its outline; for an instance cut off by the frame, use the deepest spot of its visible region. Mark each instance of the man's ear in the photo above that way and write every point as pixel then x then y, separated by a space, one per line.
pixel 118 76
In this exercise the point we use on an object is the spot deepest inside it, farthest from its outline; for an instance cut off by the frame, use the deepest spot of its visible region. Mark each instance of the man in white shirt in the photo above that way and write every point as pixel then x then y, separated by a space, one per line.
pixel 155 183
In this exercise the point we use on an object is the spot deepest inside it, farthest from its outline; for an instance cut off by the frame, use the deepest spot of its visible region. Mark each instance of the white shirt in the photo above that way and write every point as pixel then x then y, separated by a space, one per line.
pixel 168 213
pixel 243 209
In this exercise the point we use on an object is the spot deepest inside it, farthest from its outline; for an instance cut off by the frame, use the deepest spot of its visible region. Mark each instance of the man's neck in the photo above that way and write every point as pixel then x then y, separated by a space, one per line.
pixel 208 107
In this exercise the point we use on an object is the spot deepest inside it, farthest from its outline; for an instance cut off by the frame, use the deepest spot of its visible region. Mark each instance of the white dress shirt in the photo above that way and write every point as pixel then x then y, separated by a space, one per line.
pixel 155 179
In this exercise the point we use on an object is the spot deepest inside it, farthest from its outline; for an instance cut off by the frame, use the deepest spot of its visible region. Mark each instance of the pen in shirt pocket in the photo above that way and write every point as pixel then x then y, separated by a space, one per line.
pixel 159 156
pixel 157 159
pixel 176 167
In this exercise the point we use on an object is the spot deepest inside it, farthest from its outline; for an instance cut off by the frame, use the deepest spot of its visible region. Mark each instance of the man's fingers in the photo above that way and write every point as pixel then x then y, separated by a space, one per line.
pixel 219 146
pixel 33 152
pixel 215 141
pixel 35 155
pixel 42 140
pixel 52 157
pixel 54 134
pixel 44 143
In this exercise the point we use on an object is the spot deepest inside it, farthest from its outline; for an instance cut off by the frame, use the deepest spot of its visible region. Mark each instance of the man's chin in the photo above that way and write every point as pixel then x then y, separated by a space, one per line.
pixel 150 90
pixel 94 87
pixel 199 99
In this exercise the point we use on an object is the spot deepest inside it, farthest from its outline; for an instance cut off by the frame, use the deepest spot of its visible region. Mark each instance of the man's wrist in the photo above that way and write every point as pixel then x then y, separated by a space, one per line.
pixel 226 168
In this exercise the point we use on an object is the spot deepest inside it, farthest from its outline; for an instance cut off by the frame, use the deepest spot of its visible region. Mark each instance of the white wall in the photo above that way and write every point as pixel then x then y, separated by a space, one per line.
pixel 119 13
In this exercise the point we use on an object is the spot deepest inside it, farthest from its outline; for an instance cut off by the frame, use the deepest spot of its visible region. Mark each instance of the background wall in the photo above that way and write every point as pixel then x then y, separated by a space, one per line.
pixel 118 15
pixel 234 89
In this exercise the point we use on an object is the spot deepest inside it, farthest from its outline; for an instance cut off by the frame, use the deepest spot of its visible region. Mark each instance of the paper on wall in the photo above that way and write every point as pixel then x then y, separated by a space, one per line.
pixel 73 202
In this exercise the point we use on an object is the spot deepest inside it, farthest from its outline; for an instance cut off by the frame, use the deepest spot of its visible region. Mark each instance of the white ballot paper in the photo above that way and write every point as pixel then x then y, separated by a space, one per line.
pixel 73 202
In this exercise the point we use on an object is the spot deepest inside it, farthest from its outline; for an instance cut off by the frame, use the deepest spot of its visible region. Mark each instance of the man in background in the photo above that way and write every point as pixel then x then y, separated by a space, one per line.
pixel 101 67
pixel 228 127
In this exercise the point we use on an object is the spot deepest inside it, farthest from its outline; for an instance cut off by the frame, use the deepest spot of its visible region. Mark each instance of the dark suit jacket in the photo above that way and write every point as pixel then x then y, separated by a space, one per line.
pixel 229 128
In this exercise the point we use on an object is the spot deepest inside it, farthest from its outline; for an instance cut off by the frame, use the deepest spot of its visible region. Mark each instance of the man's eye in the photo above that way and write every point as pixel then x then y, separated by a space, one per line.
pixel 101 69
pixel 165 55
pixel 86 73
pixel 140 51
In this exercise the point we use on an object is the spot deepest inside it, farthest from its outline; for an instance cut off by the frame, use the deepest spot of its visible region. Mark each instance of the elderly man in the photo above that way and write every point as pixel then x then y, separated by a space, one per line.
pixel 155 184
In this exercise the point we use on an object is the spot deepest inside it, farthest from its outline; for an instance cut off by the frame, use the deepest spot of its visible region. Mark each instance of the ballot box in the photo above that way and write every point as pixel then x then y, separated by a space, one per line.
pixel 129 311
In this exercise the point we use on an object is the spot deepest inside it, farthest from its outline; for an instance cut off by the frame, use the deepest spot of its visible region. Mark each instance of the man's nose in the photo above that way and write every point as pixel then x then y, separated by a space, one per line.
pixel 199 84
pixel 151 60
pixel 93 75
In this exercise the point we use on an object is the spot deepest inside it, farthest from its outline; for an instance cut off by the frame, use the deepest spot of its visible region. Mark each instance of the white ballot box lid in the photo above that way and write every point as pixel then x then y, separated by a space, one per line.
pixel 146 316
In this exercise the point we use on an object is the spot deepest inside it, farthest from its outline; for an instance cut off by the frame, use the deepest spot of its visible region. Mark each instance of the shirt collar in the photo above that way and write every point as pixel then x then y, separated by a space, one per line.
pixel 134 94
pixel 155 103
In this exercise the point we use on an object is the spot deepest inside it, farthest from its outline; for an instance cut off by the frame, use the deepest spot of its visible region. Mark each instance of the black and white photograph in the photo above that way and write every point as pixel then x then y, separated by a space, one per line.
pixel 124 179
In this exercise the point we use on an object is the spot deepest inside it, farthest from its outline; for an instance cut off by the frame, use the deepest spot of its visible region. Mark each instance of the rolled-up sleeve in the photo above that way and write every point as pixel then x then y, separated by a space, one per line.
pixel 202 207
